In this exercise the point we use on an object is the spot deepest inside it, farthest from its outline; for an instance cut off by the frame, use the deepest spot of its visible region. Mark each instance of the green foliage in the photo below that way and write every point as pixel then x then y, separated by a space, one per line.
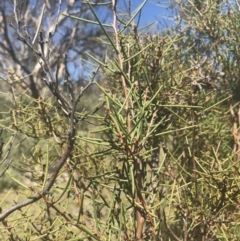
pixel 161 159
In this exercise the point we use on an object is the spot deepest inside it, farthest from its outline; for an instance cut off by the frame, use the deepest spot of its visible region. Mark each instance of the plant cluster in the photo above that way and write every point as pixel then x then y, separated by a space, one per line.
pixel 160 159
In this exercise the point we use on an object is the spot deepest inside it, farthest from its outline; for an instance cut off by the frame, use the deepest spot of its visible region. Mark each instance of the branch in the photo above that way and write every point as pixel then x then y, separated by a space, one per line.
pixel 174 236
pixel 47 187
pixel 7 154
pixel 39 23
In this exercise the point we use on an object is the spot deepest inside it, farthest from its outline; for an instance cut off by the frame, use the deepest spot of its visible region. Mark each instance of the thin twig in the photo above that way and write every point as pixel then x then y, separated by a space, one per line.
pixel 120 60
pixel 168 228
pixel 39 23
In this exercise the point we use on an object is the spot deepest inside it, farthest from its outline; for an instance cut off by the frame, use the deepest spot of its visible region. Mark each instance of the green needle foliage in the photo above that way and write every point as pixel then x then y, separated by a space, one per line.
pixel 160 159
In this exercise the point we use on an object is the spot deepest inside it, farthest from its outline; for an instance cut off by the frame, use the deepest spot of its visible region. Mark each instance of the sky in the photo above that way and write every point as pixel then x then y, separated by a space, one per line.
pixel 153 11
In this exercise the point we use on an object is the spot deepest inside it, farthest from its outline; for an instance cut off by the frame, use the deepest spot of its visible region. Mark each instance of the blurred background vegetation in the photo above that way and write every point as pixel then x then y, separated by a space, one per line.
pixel 156 156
